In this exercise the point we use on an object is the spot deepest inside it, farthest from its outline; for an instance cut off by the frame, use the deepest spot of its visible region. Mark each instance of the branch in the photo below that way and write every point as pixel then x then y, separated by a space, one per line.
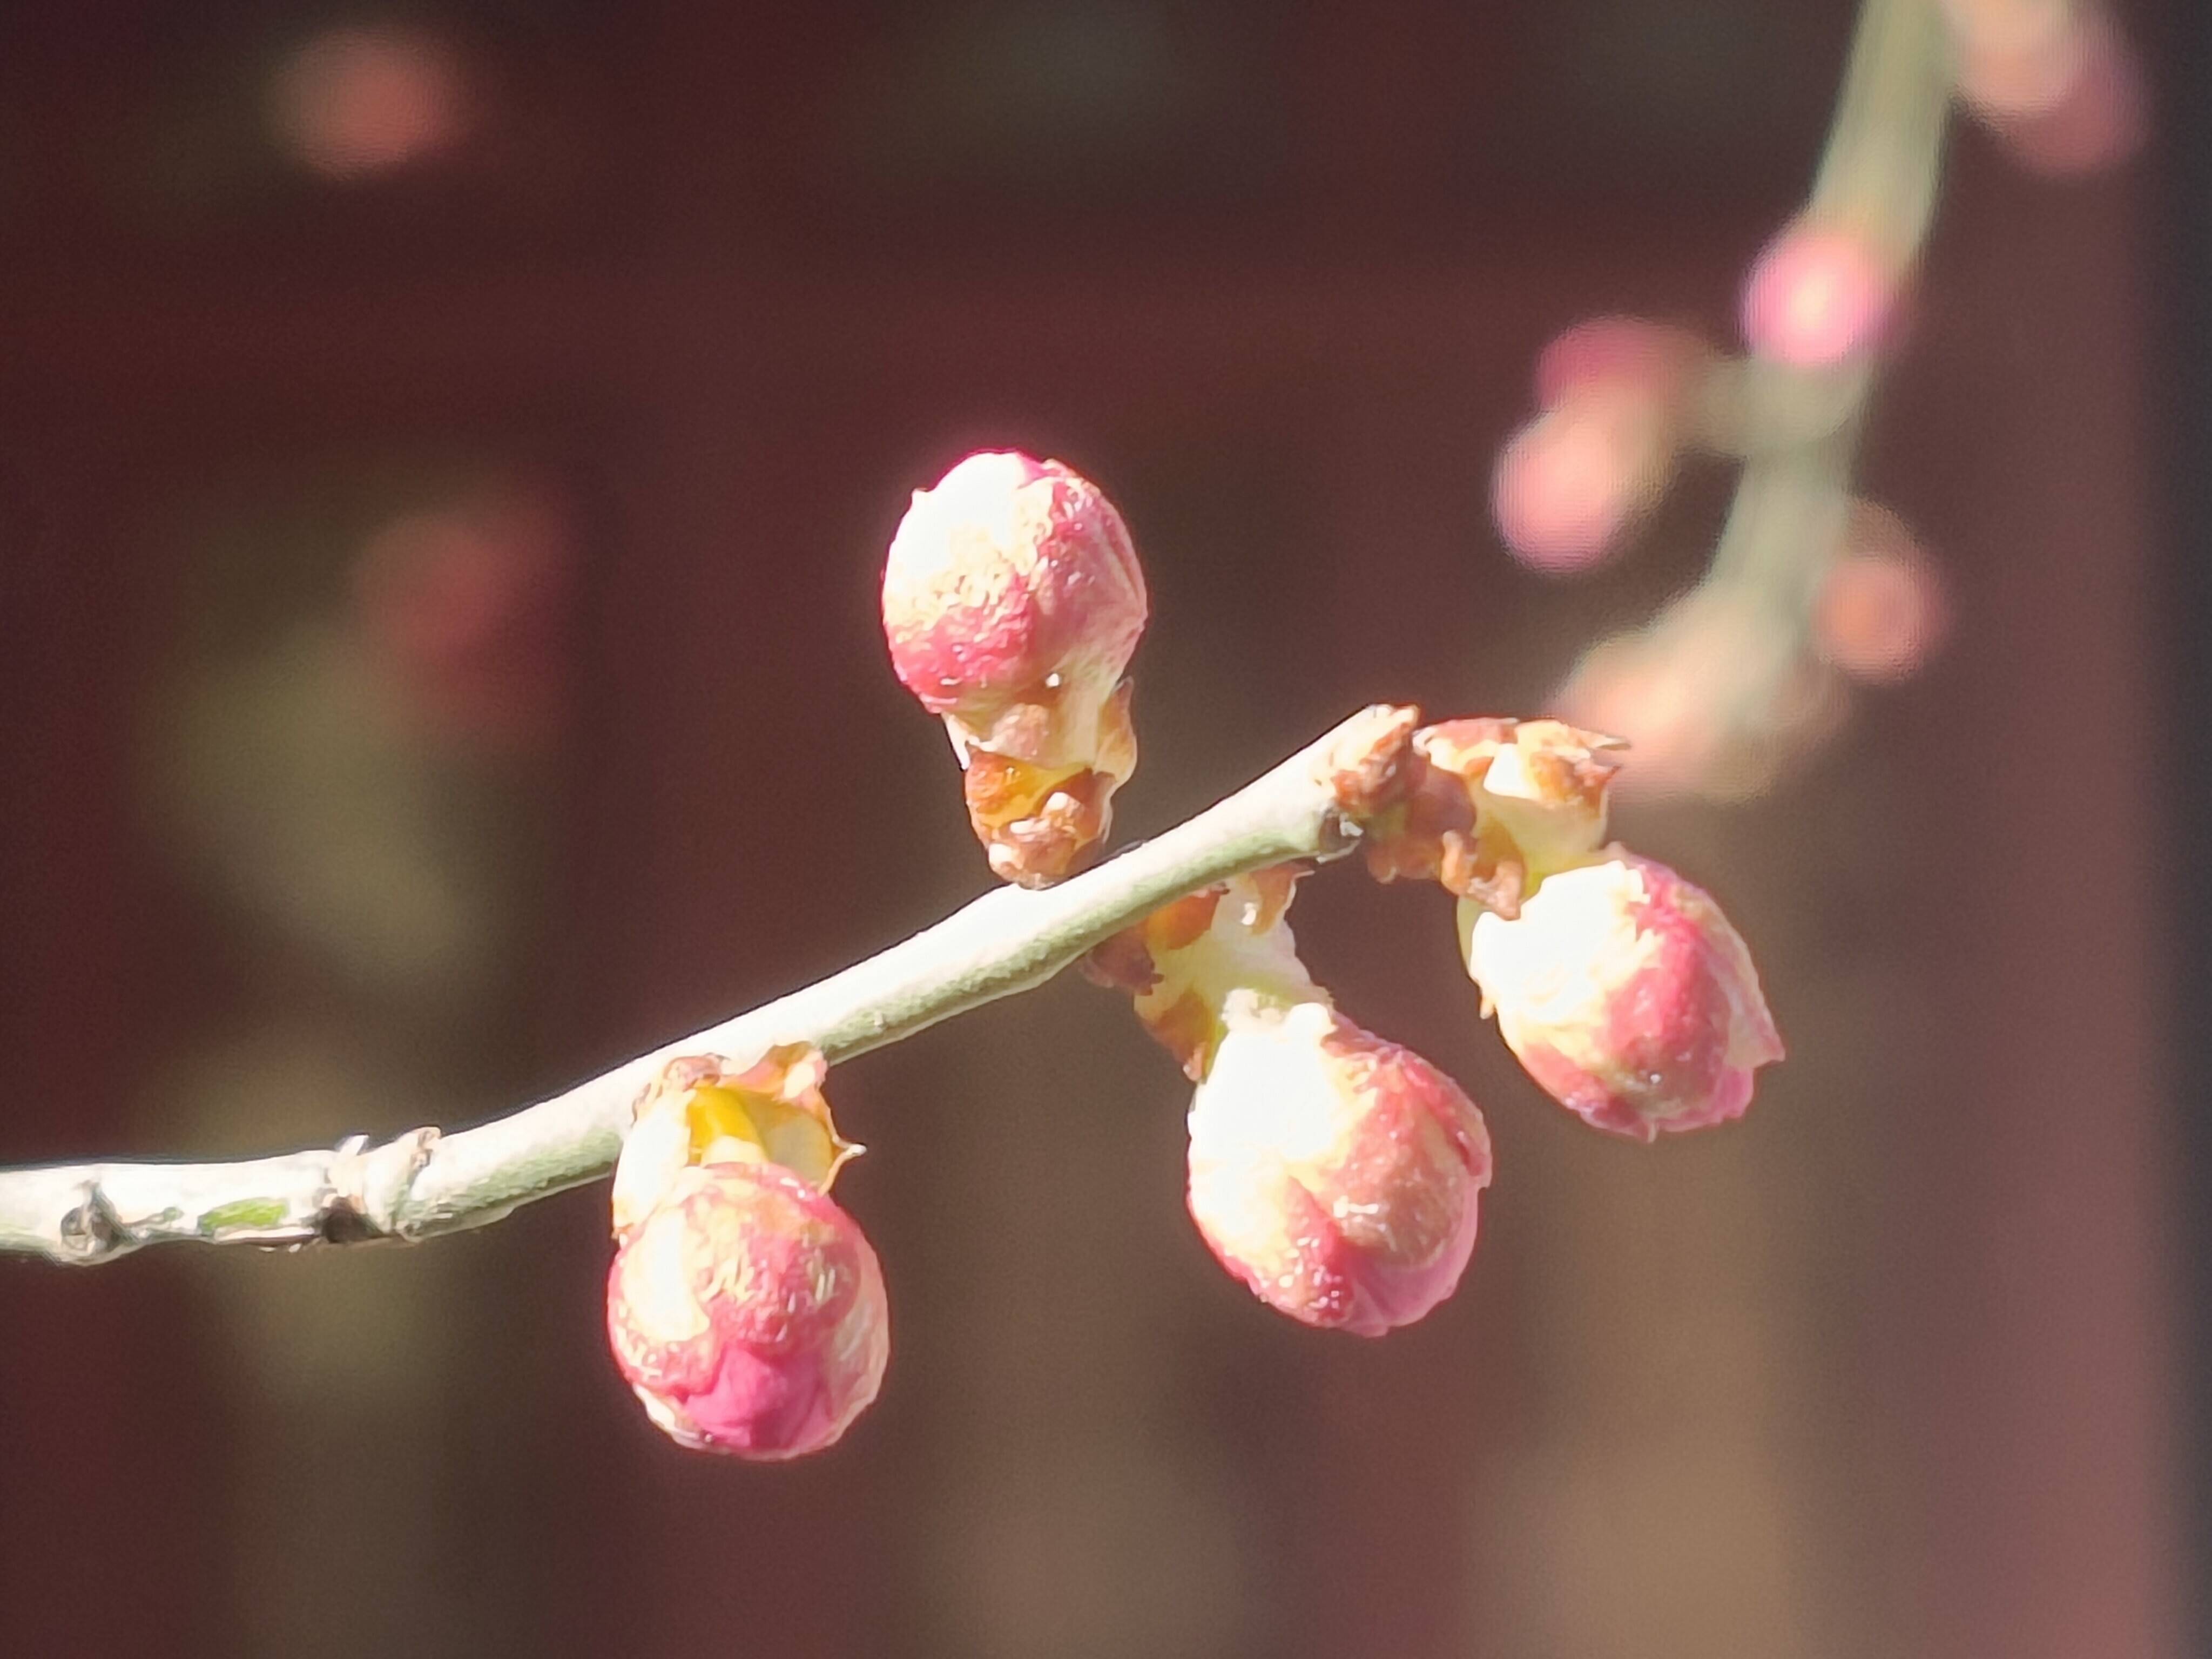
pixel 1728 661
pixel 1879 172
pixel 424 1182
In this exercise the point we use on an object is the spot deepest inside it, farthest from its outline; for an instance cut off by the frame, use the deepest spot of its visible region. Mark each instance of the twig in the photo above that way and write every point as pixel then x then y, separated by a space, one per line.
pixel 1878 176
pixel 422 1183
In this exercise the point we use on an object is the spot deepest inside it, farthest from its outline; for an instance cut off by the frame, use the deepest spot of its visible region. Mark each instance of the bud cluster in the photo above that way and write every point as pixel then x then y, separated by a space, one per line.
pixel 745 1307
pixel 1336 1174
pixel 1012 601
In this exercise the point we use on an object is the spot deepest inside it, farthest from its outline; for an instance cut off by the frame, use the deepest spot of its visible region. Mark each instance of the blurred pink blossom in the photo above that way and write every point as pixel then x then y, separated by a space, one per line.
pixel 360 100
pixel 1881 611
pixel 1816 296
pixel 1568 483
pixel 1653 358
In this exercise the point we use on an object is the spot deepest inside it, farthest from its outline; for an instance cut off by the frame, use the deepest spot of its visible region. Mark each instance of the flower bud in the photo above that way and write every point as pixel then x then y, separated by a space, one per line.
pixel 1713 700
pixel 1881 611
pixel 2059 85
pixel 747 1312
pixel 1817 295
pixel 1336 1174
pixel 1012 601
pixel 1568 485
pixel 1626 995
pixel 1655 358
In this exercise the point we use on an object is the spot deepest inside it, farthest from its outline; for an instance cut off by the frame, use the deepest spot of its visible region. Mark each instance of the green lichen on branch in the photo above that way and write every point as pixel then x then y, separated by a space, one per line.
pixel 258 1214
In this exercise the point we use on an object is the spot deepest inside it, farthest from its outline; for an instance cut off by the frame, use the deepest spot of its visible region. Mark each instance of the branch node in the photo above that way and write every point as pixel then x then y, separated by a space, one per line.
pixel 1368 767
pixel 370 1186
pixel 92 1231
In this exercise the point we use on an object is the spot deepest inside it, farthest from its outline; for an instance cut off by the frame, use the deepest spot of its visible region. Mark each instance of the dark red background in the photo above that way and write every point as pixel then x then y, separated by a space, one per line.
pixel 1885 1369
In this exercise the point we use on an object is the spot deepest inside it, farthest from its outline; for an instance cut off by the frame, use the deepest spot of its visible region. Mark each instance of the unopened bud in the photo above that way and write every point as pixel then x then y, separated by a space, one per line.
pixel 1568 484
pixel 2058 84
pixel 1337 1175
pixel 1713 699
pixel 1657 359
pixel 1817 295
pixel 1880 612
pixel 1626 995
pixel 1012 601
pixel 747 1311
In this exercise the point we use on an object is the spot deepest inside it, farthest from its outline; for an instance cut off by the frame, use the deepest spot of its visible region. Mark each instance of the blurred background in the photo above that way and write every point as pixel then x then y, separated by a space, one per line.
pixel 446 456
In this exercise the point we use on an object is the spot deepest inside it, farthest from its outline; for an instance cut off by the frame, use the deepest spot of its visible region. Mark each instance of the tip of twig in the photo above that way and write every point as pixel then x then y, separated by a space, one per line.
pixel 1367 761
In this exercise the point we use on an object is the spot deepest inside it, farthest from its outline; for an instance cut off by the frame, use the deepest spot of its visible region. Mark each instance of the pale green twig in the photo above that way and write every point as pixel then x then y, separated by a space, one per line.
pixel 425 1183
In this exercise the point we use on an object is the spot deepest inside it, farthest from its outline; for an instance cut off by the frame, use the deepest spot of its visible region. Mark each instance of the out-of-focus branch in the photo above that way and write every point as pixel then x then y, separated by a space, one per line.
pixel 423 1182
pixel 1877 181
pixel 1726 682
pixel 1786 526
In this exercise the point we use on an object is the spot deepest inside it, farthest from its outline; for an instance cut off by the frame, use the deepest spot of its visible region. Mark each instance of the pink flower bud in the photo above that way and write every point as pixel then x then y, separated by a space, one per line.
pixel 747 1313
pixel 1654 359
pixel 1568 484
pixel 1012 601
pixel 1626 994
pixel 1012 572
pixel 1880 612
pixel 1817 295
pixel 1713 699
pixel 2060 85
pixel 1336 1174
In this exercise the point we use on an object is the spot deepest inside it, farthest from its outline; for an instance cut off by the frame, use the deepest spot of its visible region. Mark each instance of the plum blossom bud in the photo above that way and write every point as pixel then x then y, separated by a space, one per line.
pixel 747 1312
pixel 1337 1175
pixel 1011 571
pixel 1012 601
pixel 2057 82
pixel 1818 295
pixel 1655 358
pixel 1568 484
pixel 1880 612
pixel 1626 995
pixel 1616 391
